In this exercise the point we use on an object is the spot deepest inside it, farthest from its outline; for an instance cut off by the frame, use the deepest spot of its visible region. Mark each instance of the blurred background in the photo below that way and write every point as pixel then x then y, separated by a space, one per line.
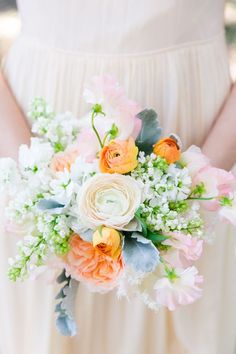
pixel 10 26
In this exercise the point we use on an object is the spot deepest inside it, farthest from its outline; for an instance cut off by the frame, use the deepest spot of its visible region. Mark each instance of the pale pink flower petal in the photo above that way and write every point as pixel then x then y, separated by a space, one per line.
pixel 194 159
pixel 229 213
pixel 88 144
pixel 217 183
pixel 183 290
pixel 188 249
pixel 118 108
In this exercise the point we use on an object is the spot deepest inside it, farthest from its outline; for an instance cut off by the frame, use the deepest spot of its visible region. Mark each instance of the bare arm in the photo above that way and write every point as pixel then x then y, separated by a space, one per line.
pixel 14 129
pixel 220 144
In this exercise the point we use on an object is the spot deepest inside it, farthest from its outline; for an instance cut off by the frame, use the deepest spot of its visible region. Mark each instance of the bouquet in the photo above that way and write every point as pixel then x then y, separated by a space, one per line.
pixel 105 201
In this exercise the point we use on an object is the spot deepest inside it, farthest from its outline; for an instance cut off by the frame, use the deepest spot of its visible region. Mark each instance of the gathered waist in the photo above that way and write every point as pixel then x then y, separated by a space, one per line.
pixel 186 85
pixel 28 41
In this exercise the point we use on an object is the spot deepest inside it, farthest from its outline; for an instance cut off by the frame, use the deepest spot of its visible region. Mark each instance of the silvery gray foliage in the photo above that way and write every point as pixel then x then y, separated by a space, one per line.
pixel 50 205
pixel 150 132
pixel 66 307
pixel 140 253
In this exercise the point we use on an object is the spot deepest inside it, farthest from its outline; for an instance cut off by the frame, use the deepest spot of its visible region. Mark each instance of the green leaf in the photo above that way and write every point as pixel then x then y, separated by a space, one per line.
pixel 150 132
pixel 199 190
pixel 155 237
pixel 142 222
pixel 113 132
pixel 226 201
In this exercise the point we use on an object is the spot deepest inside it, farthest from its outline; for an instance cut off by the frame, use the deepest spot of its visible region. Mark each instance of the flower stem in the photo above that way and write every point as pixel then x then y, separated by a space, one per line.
pixel 105 138
pixel 95 130
pixel 195 198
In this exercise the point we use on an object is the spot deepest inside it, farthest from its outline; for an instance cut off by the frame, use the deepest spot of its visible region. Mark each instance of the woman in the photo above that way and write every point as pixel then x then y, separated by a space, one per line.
pixel 170 55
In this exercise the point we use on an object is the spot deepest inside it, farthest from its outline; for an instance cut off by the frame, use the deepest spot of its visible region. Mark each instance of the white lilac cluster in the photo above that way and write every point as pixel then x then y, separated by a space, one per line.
pixel 59 129
pixel 46 232
pixel 34 180
pixel 166 189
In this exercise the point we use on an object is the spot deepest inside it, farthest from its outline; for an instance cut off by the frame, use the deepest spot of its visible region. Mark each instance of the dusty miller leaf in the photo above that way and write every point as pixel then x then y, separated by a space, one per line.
pixel 66 307
pixel 49 204
pixel 140 253
pixel 150 132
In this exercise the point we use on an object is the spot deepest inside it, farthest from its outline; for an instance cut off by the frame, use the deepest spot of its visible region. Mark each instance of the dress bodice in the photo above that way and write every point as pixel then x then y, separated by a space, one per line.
pixel 120 27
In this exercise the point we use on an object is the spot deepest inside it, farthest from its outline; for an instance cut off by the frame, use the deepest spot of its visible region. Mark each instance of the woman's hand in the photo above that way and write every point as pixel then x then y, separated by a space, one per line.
pixel 220 144
pixel 14 129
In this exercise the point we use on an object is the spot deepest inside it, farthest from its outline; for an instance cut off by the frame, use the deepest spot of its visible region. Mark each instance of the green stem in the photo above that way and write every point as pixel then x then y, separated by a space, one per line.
pixel 95 130
pixel 34 248
pixel 105 138
pixel 193 198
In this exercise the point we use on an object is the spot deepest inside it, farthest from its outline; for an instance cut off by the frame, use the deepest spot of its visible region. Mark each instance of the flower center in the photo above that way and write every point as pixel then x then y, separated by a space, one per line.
pixel 111 202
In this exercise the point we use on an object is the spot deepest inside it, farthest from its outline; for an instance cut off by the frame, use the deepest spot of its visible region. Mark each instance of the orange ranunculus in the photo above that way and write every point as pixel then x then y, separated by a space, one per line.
pixel 107 241
pixel 63 160
pixel 86 263
pixel 119 157
pixel 168 149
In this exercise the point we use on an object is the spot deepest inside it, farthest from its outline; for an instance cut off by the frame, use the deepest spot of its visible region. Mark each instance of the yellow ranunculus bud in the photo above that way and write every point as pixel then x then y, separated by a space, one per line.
pixel 107 241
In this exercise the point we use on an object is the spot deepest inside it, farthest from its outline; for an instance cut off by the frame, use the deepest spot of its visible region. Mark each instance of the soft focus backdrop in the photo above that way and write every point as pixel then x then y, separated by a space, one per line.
pixel 10 26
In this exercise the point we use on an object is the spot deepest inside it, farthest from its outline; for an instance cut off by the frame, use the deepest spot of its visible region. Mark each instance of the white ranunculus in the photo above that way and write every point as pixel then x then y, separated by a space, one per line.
pixel 109 199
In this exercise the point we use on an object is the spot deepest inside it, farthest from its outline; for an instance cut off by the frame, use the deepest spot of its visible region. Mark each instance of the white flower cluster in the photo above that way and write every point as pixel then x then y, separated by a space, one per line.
pixel 34 180
pixel 59 129
pixel 47 232
pixel 166 189
pixel 32 254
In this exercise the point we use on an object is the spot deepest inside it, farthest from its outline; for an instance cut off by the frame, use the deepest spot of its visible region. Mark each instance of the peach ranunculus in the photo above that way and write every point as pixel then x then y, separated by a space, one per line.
pixel 119 157
pixel 85 263
pixel 107 241
pixel 168 148
pixel 63 160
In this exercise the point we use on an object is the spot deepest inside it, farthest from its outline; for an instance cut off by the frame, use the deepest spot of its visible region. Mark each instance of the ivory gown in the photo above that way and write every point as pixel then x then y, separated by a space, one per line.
pixel 169 55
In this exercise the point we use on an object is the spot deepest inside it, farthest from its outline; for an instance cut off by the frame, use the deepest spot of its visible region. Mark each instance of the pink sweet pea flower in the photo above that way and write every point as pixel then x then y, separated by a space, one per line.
pixel 118 108
pixel 185 249
pixel 182 290
pixel 88 144
pixel 194 159
pixel 217 182
pixel 229 212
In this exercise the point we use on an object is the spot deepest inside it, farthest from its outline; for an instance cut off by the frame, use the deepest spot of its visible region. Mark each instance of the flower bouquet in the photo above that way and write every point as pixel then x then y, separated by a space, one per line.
pixel 104 201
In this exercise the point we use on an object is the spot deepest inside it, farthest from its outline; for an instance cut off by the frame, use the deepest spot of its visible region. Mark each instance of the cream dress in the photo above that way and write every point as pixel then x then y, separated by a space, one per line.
pixel 169 55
